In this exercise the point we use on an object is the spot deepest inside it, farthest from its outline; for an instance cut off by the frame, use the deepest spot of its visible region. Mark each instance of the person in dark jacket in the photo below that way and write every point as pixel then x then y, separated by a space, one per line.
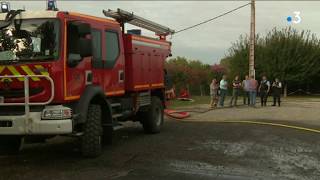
pixel 236 86
pixel 276 91
pixel 264 89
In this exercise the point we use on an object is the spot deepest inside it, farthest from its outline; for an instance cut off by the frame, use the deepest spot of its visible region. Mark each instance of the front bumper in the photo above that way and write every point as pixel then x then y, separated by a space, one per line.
pixel 34 125
pixel 31 122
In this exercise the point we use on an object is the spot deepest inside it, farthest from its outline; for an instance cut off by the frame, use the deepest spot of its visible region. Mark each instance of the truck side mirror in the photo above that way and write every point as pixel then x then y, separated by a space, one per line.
pixel 82 29
pixel 74 59
pixel 85 50
pixel 78 45
pixel 85 47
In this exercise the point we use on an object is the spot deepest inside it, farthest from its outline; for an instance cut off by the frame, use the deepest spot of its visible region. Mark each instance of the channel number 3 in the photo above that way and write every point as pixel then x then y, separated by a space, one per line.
pixel 297 18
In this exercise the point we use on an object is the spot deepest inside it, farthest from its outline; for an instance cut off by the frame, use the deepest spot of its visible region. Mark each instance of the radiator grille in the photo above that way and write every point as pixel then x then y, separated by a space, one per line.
pixel 5 123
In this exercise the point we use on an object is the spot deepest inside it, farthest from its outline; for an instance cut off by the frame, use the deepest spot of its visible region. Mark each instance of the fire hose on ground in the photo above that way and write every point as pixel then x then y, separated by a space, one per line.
pixel 181 115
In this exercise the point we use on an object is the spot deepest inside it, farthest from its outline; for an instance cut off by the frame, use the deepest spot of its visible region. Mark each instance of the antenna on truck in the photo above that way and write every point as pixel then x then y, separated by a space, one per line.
pixel 123 16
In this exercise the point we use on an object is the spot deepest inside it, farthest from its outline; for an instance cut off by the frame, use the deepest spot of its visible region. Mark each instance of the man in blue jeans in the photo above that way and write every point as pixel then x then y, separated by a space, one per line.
pixel 223 90
pixel 253 84
pixel 246 92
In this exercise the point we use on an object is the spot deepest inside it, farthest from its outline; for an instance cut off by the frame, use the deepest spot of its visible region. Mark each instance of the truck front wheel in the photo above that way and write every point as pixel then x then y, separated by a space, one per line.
pixel 91 142
pixel 154 117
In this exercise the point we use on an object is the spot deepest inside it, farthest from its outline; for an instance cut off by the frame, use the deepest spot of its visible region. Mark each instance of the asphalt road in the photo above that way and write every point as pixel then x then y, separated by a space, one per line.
pixel 184 150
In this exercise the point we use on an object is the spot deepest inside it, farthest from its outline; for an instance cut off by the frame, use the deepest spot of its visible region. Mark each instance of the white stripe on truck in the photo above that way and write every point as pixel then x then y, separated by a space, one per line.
pixel 140 43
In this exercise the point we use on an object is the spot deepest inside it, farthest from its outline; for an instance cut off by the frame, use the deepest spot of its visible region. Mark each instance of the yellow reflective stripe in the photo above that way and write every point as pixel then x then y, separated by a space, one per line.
pixel 28 71
pixel 3 79
pixel 42 70
pixel 2 68
pixel 15 72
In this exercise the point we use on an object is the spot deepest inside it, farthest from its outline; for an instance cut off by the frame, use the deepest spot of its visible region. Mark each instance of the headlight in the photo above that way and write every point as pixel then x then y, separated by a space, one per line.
pixel 57 112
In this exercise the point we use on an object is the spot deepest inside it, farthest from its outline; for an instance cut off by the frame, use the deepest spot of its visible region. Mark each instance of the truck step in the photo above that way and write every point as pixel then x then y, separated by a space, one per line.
pixel 117 126
pixel 114 116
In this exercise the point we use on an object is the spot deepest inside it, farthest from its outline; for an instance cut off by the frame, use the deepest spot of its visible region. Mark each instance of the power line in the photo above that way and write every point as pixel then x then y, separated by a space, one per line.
pixel 211 19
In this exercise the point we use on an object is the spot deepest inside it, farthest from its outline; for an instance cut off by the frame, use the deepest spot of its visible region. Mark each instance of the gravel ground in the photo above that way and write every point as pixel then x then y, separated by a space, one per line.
pixel 184 150
pixel 293 111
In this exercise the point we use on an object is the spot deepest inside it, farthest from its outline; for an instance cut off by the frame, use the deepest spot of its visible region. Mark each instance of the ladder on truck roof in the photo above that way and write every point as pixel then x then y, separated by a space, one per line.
pixel 123 16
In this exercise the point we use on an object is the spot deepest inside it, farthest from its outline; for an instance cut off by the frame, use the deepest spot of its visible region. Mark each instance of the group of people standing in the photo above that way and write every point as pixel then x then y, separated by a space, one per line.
pixel 249 88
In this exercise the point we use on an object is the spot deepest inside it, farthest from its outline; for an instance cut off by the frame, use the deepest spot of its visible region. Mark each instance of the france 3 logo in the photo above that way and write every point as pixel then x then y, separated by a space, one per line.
pixel 296 19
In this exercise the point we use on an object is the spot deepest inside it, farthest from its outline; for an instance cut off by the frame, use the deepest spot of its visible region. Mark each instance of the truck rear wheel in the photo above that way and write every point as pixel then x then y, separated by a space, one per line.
pixel 154 117
pixel 91 142
pixel 10 144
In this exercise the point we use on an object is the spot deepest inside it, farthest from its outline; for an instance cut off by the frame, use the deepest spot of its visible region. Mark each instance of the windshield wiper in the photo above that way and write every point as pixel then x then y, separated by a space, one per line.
pixel 9 60
pixel 9 18
pixel 14 61
pixel 37 58
pixel 6 62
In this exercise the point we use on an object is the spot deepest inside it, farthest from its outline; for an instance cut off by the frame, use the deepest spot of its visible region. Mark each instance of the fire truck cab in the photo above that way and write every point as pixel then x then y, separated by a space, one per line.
pixel 66 73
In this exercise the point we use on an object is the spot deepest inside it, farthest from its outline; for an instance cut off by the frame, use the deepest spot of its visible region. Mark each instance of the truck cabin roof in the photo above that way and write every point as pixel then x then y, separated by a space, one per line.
pixel 53 14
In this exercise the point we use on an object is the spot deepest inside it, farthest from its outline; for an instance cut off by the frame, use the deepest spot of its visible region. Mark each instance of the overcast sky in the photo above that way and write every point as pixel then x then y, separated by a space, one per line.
pixel 209 42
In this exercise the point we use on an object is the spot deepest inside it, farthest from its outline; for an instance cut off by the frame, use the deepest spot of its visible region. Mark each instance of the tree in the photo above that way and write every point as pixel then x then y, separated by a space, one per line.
pixel 191 74
pixel 288 54
pixel 218 70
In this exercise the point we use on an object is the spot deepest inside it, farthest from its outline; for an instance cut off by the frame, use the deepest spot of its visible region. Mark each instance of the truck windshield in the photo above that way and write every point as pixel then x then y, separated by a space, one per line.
pixel 30 39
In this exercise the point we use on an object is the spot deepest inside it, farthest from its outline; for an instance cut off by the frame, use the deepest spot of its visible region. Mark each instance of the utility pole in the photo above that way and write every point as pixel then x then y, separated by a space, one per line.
pixel 252 39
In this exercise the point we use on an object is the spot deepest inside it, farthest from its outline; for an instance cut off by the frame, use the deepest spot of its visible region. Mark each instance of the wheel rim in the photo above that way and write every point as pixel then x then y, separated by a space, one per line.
pixel 158 116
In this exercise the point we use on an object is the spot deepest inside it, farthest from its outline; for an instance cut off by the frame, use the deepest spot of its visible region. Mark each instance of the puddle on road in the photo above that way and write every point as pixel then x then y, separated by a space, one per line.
pixel 196 168
pixel 292 165
pixel 288 159
pixel 293 161
pixel 228 148
pixel 209 170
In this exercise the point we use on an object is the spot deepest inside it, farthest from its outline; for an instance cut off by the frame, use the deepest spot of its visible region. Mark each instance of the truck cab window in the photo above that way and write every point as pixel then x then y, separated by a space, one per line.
pixel 96 48
pixel 112 48
pixel 72 35
pixel 30 40
pixel 79 45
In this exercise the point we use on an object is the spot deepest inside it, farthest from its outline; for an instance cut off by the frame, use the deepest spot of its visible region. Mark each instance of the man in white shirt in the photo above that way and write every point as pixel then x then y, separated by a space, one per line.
pixel 223 90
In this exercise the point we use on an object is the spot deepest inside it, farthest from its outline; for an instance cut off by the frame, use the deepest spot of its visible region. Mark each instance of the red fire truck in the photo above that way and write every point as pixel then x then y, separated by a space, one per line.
pixel 65 73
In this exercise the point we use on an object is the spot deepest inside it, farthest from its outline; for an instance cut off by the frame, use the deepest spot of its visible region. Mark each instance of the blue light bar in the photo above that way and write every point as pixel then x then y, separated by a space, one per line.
pixel 5 7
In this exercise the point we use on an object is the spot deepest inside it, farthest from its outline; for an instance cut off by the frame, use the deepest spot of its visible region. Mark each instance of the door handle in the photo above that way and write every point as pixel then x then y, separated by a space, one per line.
pixel 121 76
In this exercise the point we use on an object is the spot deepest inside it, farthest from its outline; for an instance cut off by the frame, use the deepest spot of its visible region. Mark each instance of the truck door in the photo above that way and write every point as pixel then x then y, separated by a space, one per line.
pixel 77 66
pixel 98 70
pixel 113 54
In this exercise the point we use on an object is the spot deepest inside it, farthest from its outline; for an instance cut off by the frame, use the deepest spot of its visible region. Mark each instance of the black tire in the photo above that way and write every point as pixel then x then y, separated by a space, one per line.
pixel 153 120
pixel 91 140
pixel 10 144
